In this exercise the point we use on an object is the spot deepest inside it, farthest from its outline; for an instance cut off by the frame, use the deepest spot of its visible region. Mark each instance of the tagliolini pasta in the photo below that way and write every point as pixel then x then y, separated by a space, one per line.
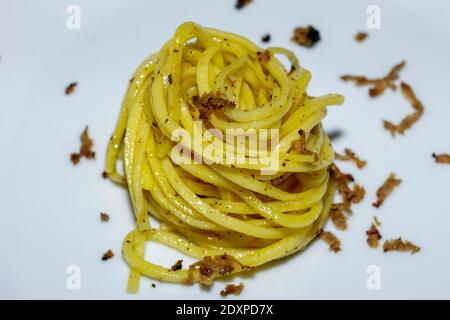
pixel 234 212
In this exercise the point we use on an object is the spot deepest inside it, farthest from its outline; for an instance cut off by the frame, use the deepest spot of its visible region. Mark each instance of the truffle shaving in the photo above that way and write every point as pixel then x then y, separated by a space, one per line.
pixel 338 217
pixel 349 155
pixel 386 189
pixel 177 266
pixel 330 239
pixel 349 195
pixel 400 245
pixel 373 235
pixel 104 217
pixel 107 255
pixel 361 36
pixel 441 158
pixel 232 289
pixel 300 145
pixel 211 102
pixel 306 36
pixel 264 56
pixel 410 119
pixel 85 148
pixel 209 268
pixel 70 88
pixel 379 85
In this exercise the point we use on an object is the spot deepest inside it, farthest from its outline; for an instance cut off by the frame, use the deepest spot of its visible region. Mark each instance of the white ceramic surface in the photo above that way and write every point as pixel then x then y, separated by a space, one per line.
pixel 49 209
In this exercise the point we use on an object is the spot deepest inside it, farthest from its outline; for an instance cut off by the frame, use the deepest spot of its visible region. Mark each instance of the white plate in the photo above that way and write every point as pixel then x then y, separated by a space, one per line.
pixel 49 209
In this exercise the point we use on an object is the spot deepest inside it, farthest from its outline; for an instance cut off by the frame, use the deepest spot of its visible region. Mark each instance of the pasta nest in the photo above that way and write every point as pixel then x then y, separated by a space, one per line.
pixel 230 215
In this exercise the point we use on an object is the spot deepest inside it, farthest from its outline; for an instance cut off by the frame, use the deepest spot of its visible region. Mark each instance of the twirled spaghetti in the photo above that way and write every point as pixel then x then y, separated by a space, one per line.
pixel 217 209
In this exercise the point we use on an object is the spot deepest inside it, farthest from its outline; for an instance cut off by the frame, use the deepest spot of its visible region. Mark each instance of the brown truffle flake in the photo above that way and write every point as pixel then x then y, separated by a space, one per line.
pixel 441 158
pixel 211 102
pixel 373 235
pixel 410 119
pixel 104 217
pixel 361 36
pixel 349 155
pixel 300 145
pixel 104 174
pixel 85 149
pixel 75 158
pixel 342 207
pixel 240 4
pixel 306 36
pixel 400 245
pixel 357 194
pixel 264 56
pixel 379 85
pixel 107 255
pixel 349 195
pixel 232 289
pixel 338 217
pixel 177 266
pixel 71 88
pixel 86 145
pixel 386 189
pixel 329 238
pixel 341 178
pixel 209 268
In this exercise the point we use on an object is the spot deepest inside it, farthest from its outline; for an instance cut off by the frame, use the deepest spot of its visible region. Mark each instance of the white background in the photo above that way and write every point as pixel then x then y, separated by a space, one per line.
pixel 49 209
